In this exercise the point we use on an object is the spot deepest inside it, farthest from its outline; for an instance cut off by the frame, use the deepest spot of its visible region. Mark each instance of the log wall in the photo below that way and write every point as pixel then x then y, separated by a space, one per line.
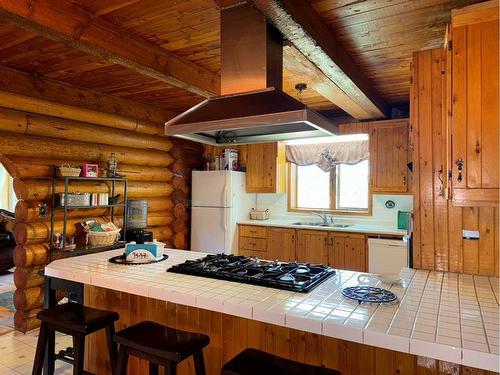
pixel 229 335
pixel 158 169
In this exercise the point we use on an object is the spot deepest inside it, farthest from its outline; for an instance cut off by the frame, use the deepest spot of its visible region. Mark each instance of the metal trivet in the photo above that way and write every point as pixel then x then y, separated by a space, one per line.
pixel 121 259
pixel 369 294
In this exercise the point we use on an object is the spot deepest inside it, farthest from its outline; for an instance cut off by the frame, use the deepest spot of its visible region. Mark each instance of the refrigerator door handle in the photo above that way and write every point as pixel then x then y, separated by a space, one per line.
pixel 227 191
pixel 224 194
pixel 226 226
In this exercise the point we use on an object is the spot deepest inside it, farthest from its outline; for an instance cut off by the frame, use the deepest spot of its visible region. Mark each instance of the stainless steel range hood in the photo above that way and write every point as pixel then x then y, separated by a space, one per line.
pixel 252 108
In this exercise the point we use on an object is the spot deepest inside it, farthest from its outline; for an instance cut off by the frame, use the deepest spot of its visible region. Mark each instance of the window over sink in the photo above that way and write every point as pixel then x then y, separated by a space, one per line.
pixel 344 188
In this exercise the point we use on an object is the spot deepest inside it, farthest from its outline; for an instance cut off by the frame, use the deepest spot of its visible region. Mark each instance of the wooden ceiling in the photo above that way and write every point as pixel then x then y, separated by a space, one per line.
pixel 382 34
pixel 379 34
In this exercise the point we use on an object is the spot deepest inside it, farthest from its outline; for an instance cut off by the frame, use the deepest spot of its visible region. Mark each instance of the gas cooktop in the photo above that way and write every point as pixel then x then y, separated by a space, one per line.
pixel 298 277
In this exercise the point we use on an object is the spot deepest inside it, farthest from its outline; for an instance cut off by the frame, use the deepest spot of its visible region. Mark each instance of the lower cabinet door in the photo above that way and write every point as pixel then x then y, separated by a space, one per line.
pixel 312 246
pixel 347 251
pixel 281 244
pixel 336 253
pixel 355 253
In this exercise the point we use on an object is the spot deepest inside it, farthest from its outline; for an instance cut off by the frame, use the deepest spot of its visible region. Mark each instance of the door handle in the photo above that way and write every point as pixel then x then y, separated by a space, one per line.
pixel 460 165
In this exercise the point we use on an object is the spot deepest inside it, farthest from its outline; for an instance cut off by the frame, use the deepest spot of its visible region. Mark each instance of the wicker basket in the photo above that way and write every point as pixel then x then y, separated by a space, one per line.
pixel 68 171
pixel 103 238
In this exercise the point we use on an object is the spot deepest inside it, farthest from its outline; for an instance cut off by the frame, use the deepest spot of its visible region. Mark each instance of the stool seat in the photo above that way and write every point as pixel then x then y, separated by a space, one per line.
pixel 75 318
pixel 77 321
pixel 253 361
pixel 162 341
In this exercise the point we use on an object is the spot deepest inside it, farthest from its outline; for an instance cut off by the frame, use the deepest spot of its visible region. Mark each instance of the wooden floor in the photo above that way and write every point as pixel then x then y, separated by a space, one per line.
pixel 229 335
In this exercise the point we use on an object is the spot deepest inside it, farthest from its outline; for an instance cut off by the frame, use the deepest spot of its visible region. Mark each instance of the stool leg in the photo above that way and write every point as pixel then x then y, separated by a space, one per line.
pixel 122 361
pixel 110 333
pixel 79 347
pixel 41 347
pixel 153 369
pixel 170 368
pixel 199 363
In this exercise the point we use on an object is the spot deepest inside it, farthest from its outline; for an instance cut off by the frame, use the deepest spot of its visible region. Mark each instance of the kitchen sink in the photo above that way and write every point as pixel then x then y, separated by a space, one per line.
pixel 316 224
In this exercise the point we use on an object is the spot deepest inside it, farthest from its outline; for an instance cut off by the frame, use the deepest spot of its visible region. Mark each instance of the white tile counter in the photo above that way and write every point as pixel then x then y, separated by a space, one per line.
pixel 354 228
pixel 445 316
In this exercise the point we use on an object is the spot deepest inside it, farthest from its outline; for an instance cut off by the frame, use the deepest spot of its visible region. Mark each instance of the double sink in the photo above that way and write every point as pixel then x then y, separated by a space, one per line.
pixel 316 224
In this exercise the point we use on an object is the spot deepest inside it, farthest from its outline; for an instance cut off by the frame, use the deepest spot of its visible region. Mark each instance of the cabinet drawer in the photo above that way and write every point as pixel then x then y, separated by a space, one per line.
pixel 257 244
pixel 253 231
pixel 252 253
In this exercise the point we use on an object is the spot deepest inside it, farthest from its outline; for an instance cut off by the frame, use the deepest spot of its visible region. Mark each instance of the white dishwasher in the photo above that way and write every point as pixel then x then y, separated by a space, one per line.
pixel 387 256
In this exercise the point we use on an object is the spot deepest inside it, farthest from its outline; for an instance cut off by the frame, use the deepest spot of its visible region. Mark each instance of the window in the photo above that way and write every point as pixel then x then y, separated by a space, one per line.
pixel 8 198
pixel 344 189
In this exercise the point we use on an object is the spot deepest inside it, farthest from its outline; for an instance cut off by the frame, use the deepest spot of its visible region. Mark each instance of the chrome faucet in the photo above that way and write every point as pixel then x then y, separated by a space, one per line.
pixel 324 217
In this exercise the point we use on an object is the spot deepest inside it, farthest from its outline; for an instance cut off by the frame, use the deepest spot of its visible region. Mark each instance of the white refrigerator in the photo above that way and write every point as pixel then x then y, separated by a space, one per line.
pixel 219 200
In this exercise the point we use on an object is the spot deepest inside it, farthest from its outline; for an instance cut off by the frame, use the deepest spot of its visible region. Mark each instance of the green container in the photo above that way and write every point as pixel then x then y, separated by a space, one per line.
pixel 403 219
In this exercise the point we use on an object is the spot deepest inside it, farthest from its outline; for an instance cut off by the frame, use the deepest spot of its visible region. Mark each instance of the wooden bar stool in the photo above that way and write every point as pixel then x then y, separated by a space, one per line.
pixel 78 321
pixel 253 361
pixel 161 346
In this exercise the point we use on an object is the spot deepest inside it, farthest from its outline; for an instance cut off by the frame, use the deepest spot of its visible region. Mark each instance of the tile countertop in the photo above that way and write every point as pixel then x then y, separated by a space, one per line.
pixel 354 228
pixel 445 316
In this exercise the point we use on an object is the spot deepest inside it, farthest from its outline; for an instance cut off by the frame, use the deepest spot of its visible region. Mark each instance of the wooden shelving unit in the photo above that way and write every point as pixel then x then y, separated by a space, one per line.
pixel 80 250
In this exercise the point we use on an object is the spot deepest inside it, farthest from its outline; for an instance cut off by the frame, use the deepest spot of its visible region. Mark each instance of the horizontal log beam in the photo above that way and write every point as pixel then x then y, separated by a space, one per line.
pixel 39 232
pixel 25 321
pixel 29 211
pixel 161 233
pixel 44 107
pixel 42 189
pixel 28 299
pixel 28 277
pixel 73 26
pixel 12 145
pixel 29 124
pixel 26 168
pixel 31 255
pixel 56 94
pixel 299 23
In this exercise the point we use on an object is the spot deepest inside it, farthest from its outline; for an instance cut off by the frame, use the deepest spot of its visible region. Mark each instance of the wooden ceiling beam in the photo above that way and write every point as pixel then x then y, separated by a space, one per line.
pixel 297 64
pixel 73 26
pixel 20 83
pixel 302 26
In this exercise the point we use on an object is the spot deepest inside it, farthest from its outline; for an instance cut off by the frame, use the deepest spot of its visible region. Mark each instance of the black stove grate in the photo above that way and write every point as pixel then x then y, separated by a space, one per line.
pixel 369 294
pixel 297 277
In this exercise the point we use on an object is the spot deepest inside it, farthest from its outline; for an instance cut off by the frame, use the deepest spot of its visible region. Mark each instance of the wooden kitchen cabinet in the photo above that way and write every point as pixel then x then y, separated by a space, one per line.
pixel 474 133
pixel 312 246
pixel 281 244
pixel 266 168
pixel 347 251
pixel 252 241
pixel 336 249
pixel 389 156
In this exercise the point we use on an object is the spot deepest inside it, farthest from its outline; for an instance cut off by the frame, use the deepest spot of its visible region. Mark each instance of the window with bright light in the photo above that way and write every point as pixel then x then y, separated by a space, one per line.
pixel 344 189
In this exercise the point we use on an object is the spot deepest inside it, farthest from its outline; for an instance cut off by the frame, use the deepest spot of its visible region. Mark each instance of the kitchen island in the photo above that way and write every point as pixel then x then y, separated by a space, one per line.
pixel 441 321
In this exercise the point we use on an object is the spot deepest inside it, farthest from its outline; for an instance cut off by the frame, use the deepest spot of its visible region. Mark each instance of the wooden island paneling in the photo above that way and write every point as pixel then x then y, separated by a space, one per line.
pixel 229 335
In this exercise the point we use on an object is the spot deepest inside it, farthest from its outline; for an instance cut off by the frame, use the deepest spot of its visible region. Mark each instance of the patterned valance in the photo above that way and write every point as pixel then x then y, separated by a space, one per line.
pixel 328 155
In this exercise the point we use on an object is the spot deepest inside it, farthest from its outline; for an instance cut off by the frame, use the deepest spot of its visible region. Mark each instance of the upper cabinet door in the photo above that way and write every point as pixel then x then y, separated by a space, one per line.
pixel 474 123
pixel 265 168
pixel 389 156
